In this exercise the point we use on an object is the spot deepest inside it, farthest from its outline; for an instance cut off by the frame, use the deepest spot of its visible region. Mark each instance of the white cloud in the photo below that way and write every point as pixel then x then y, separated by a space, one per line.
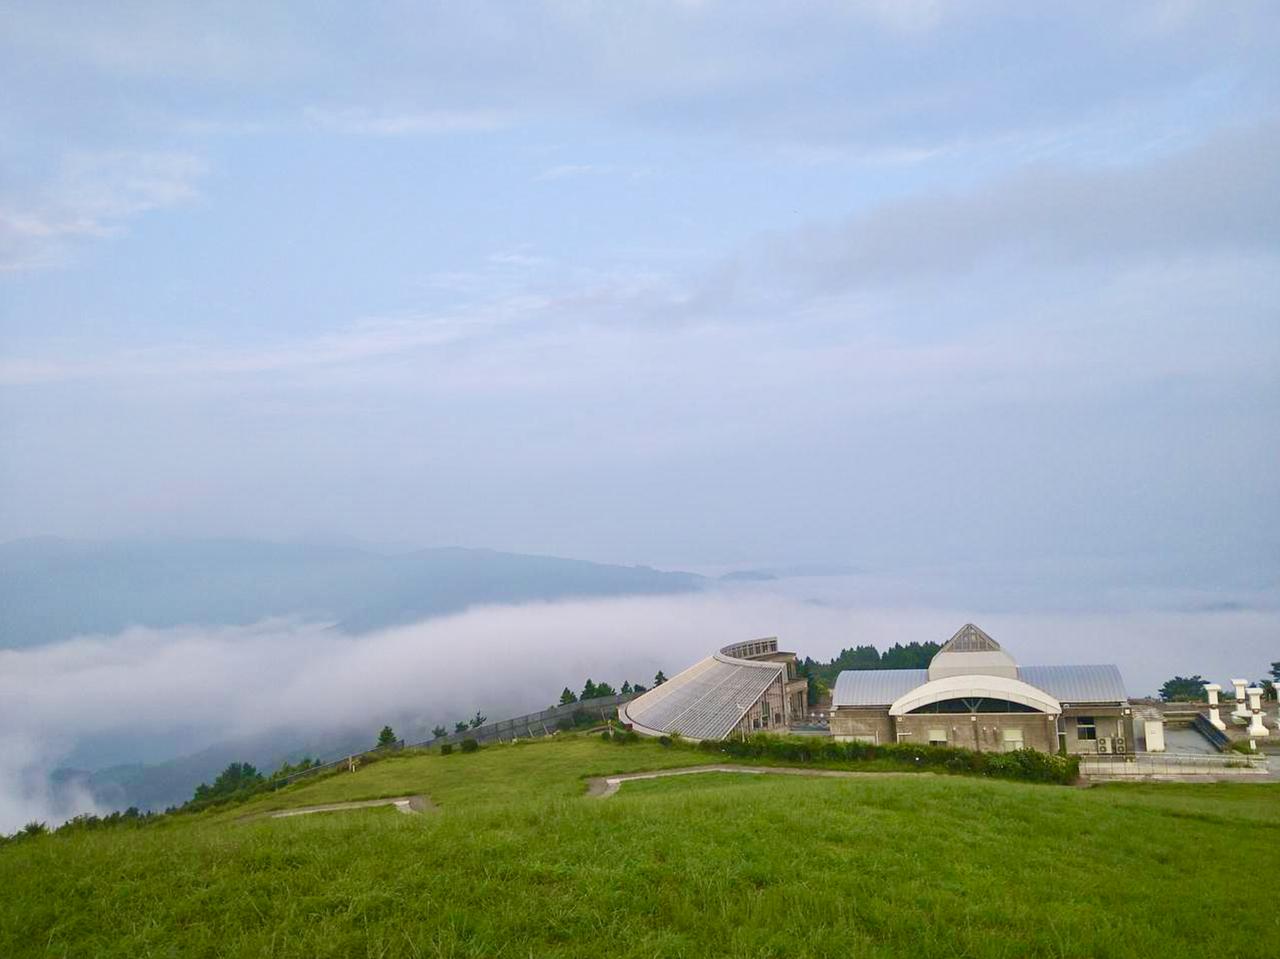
pixel 226 682
pixel 359 121
pixel 93 194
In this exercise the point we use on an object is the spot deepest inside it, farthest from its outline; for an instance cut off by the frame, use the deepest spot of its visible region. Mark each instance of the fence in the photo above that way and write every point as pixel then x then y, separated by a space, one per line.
pixel 529 726
pixel 533 725
pixel 1173 764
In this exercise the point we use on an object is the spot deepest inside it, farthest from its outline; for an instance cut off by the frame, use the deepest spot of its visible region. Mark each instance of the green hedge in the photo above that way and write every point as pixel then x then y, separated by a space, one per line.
pixel 1028 765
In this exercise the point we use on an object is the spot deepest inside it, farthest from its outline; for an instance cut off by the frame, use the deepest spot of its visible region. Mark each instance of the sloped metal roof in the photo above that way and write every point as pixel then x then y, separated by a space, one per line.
pixel 1077 684
pixel 875 687
pixel 706 700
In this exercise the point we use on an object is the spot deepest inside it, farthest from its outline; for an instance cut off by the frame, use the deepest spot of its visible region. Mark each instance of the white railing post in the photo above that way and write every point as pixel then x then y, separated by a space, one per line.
pixel 1213 689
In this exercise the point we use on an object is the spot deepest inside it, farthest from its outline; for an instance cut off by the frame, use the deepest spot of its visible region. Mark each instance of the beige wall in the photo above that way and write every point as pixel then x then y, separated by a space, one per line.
pixel 1109 720
pixel 871 725
pixel 985 732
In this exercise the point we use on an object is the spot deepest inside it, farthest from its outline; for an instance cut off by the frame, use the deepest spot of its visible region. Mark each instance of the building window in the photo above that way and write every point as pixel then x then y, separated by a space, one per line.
pixel 937 737
pixel 1086 728
pixel 1012 739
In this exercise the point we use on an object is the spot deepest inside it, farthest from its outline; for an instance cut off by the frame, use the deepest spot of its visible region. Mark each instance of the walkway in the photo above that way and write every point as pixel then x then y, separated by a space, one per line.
pixel 405 804
pixel 602 787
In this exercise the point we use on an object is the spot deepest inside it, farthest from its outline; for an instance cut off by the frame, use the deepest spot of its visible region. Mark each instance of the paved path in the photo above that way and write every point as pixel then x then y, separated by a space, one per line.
pixel 405 804
pixel 602 787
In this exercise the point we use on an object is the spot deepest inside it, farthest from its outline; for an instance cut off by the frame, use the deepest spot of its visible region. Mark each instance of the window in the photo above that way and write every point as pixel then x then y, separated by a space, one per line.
pixel 1012 739
pixel 1086 728
pixel 937 737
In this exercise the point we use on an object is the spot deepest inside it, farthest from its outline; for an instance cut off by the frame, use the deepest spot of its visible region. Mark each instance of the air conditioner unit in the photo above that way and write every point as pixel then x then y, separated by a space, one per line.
pixel 1104 746
pixel 1118 745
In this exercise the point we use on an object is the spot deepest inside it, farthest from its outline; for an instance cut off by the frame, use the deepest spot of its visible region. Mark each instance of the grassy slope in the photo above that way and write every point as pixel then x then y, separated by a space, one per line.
pixel 521 865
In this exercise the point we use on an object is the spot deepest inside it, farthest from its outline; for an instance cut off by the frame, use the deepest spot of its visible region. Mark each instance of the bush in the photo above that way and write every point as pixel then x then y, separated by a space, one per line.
pixel 469 745
pixel 446 749
pixel 664 740
pixel 1028 765
pixel 606 735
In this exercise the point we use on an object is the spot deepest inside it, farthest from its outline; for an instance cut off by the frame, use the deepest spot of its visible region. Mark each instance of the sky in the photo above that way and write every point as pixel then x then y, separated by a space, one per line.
pixel 895 284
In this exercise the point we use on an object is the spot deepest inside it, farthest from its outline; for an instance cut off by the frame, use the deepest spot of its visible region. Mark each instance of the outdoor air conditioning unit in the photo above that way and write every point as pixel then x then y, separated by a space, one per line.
pixel 1118 744
pixel 1104 746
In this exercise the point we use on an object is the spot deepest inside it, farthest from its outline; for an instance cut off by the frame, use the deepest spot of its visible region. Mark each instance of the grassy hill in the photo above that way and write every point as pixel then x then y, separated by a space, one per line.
pixel 518 862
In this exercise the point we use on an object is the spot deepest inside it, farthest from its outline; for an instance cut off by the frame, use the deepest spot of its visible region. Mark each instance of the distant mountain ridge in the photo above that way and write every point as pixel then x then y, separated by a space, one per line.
pixel 53 589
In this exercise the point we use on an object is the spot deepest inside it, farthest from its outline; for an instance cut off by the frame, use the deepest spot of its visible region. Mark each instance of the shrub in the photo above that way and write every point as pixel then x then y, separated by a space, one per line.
pixel 446 749
pixel 664 740
pixel 606 735
pixel 1024 764
pixel 469 745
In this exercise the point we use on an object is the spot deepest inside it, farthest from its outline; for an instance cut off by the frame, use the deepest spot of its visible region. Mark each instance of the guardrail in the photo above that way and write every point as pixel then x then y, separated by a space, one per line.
pixel 1174 764
pixel 532 725
pixel 1211 732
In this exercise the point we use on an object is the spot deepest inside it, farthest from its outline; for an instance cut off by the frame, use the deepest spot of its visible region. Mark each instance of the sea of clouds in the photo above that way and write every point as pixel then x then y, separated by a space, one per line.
pixel 215 683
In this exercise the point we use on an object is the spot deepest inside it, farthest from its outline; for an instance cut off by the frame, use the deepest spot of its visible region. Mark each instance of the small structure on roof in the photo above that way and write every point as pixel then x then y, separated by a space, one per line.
pixel 975 695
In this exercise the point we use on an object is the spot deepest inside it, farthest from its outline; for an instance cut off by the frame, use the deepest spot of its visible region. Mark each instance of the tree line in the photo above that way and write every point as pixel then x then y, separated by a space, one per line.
pixel 1191 688
pixel 594 690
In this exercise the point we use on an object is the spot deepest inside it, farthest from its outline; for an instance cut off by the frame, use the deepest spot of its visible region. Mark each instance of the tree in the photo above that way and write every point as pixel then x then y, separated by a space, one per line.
pixel 1184 688
pixel 637 689
pixel 659 678
pixel 604 689
pixel 234 778
pixel 387 737
pixel 1275 671
pixel 567 697
pixel 626 687
pixel 588 690
pixel 438 731
pixel 460 727
pixel 478 720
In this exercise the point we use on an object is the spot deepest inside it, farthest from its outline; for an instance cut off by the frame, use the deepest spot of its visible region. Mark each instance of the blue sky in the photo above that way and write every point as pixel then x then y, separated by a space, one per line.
pixel 696 284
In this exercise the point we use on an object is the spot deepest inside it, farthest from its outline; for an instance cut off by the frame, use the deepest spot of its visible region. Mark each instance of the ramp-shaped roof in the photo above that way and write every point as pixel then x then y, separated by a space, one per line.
pixel 706 701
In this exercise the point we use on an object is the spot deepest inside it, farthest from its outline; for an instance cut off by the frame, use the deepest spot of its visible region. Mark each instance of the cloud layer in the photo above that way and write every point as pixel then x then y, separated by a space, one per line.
pixel 214 684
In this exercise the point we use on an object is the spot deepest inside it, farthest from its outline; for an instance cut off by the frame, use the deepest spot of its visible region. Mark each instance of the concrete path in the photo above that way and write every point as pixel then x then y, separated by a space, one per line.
pixel 602 787
pixel 405 804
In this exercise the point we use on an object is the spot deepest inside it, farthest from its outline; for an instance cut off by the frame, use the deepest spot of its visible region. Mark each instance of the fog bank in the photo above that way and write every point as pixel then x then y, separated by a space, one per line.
pixel 218 683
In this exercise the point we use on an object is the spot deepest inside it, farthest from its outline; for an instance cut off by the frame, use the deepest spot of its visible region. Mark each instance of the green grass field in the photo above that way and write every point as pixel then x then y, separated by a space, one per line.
pixel 519 863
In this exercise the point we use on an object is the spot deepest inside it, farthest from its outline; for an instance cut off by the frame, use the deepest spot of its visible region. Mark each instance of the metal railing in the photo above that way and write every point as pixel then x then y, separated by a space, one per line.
pixel 532 725
pixel 1173 764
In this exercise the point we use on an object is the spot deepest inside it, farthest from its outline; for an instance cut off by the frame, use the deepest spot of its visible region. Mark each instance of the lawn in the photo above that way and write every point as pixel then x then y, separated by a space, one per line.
pixel 518 863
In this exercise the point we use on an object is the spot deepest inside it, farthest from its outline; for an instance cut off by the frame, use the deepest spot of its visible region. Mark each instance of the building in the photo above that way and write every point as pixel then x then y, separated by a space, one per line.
pixel 745 688
pixel 973 695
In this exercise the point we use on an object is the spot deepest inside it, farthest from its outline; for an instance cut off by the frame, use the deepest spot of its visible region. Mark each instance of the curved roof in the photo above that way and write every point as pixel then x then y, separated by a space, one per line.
pixel 1078 685
pixel 706 701
pixel 967 687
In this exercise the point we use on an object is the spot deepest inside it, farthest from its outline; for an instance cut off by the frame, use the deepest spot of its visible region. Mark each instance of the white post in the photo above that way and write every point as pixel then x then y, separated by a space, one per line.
pixel 1256 726
pixel 1213 689
pixel 1240 714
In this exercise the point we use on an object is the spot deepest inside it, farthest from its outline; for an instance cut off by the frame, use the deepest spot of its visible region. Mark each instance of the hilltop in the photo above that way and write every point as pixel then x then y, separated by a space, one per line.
pixel 515 859
pixel 53 589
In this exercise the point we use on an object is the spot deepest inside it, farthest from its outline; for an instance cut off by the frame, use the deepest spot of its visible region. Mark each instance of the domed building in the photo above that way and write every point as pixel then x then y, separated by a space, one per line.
pixel 975 696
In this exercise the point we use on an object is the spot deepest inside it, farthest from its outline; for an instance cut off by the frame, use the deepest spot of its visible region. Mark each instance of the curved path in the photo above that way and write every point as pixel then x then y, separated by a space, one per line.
pixel 405 804
pixel 602 787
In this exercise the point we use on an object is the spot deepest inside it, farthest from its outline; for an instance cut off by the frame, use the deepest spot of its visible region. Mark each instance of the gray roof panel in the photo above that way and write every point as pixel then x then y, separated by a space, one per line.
pixel 706 700
pixel 1077 684
pixel 875 687
pixel 1067 684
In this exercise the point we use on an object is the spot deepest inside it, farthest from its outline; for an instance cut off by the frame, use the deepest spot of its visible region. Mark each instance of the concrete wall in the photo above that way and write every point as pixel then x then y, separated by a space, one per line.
pixel 869 724
pixel 985 732
pixel 1111 722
